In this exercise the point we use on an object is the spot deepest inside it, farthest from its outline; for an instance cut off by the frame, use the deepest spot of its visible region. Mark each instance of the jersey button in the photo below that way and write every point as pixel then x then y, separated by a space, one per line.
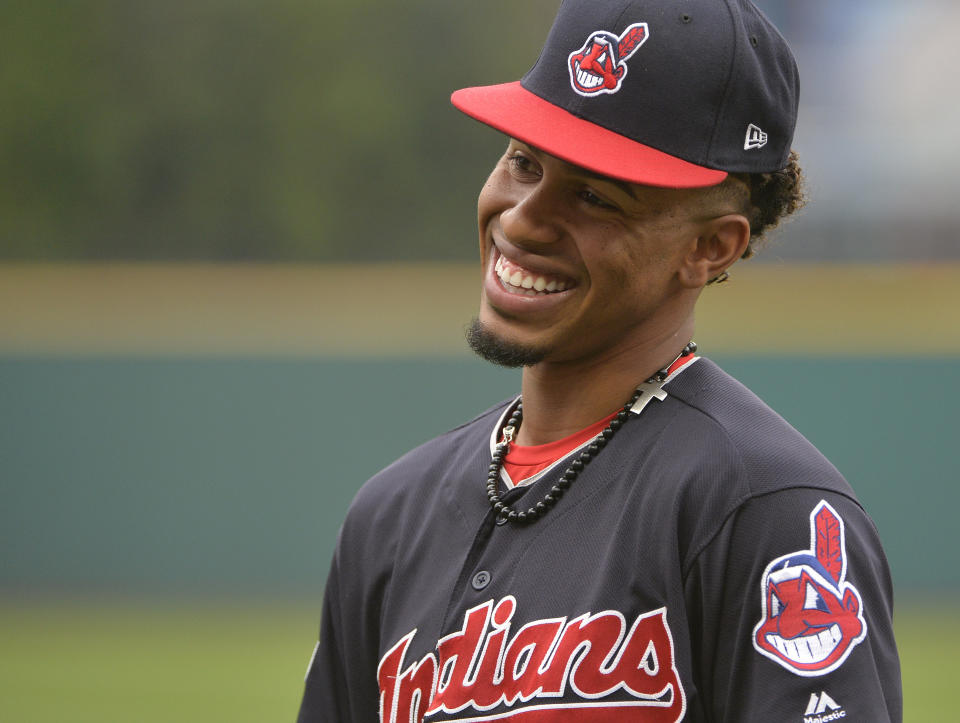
pixel 480 580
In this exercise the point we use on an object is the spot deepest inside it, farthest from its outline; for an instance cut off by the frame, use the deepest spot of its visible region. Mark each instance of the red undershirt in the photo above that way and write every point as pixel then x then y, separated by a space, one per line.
pixel 523 462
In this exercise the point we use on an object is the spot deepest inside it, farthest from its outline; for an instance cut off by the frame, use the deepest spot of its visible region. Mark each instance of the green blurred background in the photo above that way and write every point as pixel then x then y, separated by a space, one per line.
pixel 235 261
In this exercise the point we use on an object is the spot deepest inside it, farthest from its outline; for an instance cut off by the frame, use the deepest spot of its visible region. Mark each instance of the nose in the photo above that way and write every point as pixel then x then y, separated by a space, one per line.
pixel 792 624
pixel 535 218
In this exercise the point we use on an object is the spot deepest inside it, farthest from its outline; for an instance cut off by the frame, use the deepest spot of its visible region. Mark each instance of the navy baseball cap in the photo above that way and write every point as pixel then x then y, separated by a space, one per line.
pixel 672 93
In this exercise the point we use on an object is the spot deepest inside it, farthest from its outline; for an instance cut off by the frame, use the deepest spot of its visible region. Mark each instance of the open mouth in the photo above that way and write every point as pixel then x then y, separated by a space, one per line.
pixel 807 648
pixel 586 79
pixel 518 280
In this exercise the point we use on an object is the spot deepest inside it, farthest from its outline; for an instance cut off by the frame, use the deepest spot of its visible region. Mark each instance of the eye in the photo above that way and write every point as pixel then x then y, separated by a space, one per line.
pixel 593 199
pixel 523 166
pixel 813 600
pixel 775 605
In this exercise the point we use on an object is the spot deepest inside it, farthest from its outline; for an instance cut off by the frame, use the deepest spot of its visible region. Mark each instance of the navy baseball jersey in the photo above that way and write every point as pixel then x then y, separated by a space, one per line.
pixel 708 565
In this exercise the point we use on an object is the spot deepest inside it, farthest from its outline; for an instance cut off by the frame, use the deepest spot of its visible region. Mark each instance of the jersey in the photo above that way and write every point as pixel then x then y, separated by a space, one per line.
pixel 709 564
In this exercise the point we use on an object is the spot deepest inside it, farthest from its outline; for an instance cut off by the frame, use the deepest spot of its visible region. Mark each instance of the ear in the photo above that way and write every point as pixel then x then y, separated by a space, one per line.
pixel 721 242
pixel 850 601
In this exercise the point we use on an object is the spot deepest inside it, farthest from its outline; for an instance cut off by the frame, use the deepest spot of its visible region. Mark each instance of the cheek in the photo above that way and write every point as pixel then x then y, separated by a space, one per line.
pixel 489 202
pixel 484 199
pixel 633 264
pixel 641 277
pixel 625 276
pixel 494 193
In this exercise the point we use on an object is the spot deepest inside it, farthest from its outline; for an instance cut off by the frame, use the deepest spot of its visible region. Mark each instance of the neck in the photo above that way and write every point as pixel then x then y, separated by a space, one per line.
pixel 561 398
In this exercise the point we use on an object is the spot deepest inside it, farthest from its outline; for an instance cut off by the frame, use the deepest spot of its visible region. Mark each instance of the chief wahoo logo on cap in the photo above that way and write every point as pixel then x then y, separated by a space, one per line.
pixel 601 64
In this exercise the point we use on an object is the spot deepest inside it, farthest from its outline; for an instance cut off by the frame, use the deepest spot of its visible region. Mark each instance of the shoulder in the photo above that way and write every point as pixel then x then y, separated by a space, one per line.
pixel 738 429
pixel 427 476
pixel 433 458
pixel 795 585
pixel 780 558
pixel 726 448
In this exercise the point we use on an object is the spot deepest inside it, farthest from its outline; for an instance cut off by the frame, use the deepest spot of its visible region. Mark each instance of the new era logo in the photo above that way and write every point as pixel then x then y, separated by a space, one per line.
pixel 756 138
pixel 823 709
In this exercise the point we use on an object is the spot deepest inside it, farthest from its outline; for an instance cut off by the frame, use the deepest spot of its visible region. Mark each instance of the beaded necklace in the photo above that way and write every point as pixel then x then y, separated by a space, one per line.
pixel 506 511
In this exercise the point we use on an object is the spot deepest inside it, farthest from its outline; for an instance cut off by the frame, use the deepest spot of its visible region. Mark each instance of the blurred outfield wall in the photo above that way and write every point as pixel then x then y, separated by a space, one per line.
pixel 199 430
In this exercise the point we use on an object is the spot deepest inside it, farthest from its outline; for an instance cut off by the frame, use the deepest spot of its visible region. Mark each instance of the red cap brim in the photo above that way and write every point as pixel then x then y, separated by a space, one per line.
pixel 512 109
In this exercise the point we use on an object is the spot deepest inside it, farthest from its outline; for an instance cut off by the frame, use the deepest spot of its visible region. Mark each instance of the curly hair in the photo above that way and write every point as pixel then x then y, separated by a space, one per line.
pixel 773 197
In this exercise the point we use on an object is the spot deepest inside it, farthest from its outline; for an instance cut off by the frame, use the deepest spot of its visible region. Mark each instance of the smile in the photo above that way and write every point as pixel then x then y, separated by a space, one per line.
pixel 587 80
pixel 808 648
pixel 517 279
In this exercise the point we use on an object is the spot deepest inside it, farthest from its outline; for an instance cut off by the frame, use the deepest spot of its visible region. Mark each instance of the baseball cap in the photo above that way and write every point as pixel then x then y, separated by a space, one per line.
pixel 673 93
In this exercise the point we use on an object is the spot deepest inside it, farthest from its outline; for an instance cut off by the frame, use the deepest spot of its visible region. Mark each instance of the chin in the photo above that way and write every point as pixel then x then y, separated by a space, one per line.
pixel 495 348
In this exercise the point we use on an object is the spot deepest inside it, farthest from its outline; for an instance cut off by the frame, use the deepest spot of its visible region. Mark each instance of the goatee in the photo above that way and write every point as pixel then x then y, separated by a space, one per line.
pixel 489 346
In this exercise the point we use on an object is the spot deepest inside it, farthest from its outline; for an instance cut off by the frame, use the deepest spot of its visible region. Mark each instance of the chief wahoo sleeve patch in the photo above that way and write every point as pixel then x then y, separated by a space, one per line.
pixel 812 616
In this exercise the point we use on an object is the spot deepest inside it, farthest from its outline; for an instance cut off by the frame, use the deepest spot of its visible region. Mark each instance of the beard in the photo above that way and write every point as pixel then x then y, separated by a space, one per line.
pixel 501 352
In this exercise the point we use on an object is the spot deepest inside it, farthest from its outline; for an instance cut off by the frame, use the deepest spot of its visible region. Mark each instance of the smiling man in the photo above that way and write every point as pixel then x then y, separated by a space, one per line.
pixel 636 536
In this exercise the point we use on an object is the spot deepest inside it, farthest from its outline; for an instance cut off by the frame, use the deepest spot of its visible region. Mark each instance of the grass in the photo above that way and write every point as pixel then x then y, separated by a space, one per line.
pixel 136 663
pixel 928 636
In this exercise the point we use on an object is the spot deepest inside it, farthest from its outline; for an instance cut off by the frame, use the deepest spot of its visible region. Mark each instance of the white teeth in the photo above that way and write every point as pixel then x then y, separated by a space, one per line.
pixel 530 284
pixel 587 80
pixel 810 648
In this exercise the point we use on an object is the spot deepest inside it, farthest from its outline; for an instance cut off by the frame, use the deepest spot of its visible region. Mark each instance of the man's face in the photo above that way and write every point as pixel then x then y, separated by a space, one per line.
pixel 578 267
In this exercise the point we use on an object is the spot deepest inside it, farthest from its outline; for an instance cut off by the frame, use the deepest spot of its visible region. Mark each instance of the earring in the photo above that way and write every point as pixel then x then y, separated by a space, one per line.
pixel 719 279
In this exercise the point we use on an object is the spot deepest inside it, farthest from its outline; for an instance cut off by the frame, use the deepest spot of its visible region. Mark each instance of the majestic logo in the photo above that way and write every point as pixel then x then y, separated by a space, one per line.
pixel 601 64
pixel 812 617
pixel 589 668
pixel 822 709
pixel 755 138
